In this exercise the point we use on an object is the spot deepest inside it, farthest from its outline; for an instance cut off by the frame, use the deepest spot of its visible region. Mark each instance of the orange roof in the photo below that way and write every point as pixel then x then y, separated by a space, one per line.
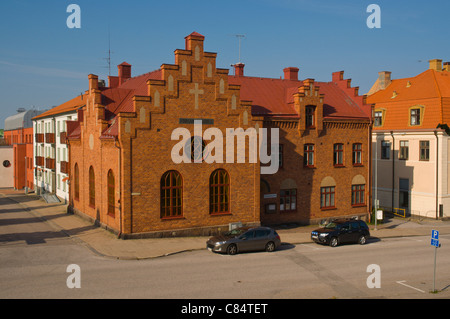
pixel 429 89
pixel 71 105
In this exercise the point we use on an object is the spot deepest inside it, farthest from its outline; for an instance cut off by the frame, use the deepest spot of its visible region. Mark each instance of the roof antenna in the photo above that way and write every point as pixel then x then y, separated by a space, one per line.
pixel 240 37
pixel 108 59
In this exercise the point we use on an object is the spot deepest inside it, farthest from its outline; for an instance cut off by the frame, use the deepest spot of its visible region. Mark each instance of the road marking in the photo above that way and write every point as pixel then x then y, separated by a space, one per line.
pixel 401 282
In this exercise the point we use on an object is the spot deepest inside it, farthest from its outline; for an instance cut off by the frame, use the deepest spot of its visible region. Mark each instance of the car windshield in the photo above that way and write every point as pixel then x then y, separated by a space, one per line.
pixel 235 232
pixel 332 226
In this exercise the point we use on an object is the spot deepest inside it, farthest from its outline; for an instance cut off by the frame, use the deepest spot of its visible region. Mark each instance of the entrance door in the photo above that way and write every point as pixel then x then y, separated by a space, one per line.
pixel 403 194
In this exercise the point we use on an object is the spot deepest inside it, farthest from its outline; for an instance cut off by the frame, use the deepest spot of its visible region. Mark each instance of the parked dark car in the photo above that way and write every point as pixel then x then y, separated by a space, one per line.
pixel 245 239
pixel 342 231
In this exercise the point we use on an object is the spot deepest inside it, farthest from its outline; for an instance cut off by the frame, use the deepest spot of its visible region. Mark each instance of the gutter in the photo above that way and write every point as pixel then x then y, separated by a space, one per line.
pixel 120 188
pixel 393 169
pixel 437 175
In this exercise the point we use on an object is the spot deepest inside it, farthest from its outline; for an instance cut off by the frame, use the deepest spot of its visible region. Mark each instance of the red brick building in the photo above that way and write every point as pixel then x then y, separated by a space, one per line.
pixel 122 168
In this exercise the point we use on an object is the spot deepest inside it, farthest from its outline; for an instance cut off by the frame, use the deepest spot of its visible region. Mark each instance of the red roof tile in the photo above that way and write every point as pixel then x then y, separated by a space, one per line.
pixel 274 97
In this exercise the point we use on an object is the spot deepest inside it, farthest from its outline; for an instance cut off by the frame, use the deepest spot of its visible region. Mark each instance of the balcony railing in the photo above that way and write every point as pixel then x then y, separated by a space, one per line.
pixel 39 137
pixel 64 167
pixel 49 137
pixel 39 161
pixel 50 163
pixel 63 137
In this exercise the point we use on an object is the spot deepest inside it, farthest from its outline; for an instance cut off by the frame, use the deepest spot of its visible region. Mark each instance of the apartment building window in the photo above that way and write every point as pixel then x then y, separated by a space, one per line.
pixel 338 158
pixel 378 118
pixel 424 149
pixel 358 195
pixel 91 187
pixel 404 150
pixel 327 196
pixel 219 192
pixel 308 155
pixel 357 154
pixel 288 200
pixel 415 116
pixel 310 118
pixel 385 150
pixel 77 183
pixel 111 194
pixel 280 156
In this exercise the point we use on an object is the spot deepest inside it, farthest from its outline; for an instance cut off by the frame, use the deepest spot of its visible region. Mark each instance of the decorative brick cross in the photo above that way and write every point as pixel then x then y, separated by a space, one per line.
pixel 196 91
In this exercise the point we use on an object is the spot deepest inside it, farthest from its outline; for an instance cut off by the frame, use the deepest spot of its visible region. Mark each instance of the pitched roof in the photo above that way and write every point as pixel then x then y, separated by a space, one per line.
pixel 274 97
pixel 430 89
pixel 71 105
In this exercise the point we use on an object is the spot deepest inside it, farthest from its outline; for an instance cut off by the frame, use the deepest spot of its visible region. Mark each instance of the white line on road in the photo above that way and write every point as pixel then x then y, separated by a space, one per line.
pixel 401 282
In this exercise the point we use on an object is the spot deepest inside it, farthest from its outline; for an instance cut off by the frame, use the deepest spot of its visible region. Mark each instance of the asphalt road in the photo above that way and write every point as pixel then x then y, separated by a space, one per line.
pixel 34 267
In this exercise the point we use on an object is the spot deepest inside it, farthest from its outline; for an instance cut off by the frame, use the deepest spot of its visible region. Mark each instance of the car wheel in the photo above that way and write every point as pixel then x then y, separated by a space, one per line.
pixel 270 246
pixel 362 240
pixel 334 242
pixel 232 249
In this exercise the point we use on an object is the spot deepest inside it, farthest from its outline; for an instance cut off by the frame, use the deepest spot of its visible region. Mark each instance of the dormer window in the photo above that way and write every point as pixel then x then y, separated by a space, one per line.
pixel 310 116
pixel 378 118
pixel 415 116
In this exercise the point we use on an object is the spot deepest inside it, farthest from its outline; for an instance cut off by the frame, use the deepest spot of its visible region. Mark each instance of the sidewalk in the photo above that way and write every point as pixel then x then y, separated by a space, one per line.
pixel 106 244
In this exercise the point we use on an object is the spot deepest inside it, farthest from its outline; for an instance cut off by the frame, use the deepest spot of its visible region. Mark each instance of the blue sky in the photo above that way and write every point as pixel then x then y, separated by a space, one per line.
pixel 43 63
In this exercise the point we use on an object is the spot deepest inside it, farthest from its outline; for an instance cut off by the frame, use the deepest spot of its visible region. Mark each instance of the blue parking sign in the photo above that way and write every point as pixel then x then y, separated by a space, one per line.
pixel 435 238
pixel 435 234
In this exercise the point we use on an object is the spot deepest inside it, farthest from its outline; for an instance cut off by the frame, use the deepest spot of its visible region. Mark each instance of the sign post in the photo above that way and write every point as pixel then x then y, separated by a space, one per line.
pixel 435 243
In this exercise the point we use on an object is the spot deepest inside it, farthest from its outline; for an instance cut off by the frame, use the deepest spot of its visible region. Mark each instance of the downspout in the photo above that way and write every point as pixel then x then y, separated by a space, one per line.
pixel 120 188
pixel 437 175
pixel 393 169
pixel 369 169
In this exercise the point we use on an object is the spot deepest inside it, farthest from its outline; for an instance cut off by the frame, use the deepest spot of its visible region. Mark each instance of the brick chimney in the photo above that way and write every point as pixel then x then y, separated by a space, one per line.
pixel 124 72
pixel 447 66
pixel 93 82
pixel 291 73
pixel 384 79
pixel 436 64
pixel 239 69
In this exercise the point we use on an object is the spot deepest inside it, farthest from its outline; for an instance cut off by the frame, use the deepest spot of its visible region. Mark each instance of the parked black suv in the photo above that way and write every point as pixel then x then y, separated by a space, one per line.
pixel 342 231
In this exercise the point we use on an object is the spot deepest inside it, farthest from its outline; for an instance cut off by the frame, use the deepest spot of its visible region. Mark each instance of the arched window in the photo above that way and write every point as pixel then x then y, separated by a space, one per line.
pixel 111 193
pixel 91 187
pixel 171 195
pixel 77 183
pixel 219 192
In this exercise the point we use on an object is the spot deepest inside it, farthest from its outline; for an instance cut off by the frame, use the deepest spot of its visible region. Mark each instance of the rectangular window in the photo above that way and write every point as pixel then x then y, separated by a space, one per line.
pixel 415 116
pixel 357 154
pixel 327 195
pixel 424 149
pixel 308 155
pixel 404 150
pixel 385 150
pixel 288 200
pixel 378 118
pixel 310 120
pixel 358 195
pixel 338 158
pixel 280 156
